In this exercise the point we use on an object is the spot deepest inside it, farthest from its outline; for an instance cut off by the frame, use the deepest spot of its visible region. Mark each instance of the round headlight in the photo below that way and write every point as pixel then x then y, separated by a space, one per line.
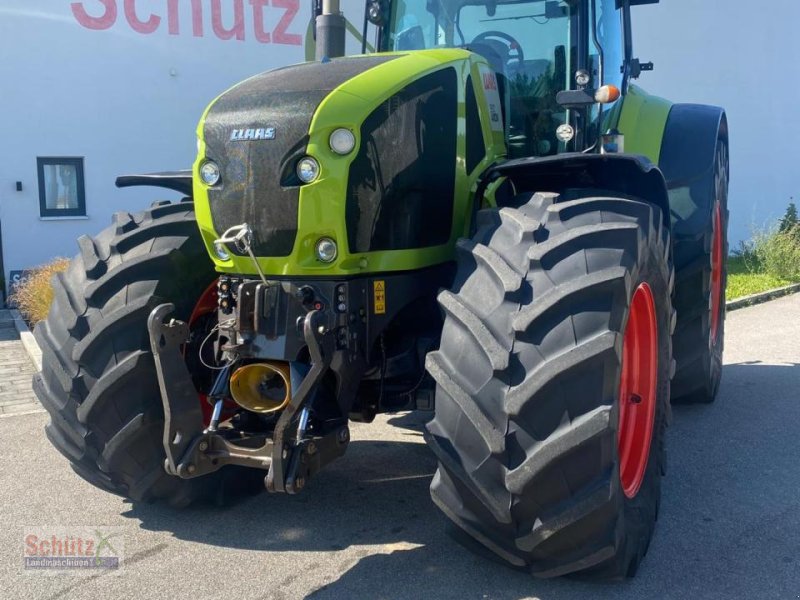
pixel 326 250
pixel 342 141
pixel 307 169
pixel 209 173
pixel 221 251
pixel 565 132
pixel 582 77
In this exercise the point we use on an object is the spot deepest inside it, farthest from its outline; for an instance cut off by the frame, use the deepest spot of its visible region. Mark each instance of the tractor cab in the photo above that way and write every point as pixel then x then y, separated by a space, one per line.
pixel 538 48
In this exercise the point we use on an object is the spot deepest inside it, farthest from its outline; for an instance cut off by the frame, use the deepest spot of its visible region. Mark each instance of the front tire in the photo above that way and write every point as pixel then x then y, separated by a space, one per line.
pixel 98 379
pixel 528 376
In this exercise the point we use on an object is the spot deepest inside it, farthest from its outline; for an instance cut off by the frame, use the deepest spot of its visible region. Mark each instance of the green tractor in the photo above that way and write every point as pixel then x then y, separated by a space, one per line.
pixel 485 219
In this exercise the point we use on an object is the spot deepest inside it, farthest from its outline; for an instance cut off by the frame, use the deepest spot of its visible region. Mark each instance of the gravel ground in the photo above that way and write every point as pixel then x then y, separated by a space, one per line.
pixel 365 528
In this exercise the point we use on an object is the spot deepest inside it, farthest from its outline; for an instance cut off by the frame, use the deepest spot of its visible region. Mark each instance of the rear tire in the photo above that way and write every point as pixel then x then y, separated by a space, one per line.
pixel 700 334
pixel 528 384
pixel 98 379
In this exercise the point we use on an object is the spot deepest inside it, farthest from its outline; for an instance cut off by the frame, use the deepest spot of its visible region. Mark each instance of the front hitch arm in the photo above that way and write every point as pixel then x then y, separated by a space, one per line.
pixel 192 451
pixel 284 474
pixel 183 417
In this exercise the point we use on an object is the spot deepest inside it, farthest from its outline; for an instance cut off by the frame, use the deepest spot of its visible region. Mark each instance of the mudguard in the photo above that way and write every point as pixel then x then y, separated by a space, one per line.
pixel 625 174
pixel 687 158
pixel 689 143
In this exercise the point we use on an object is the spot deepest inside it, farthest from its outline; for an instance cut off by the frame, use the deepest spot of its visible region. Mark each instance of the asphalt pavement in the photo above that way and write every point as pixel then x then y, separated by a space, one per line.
pixel 366 528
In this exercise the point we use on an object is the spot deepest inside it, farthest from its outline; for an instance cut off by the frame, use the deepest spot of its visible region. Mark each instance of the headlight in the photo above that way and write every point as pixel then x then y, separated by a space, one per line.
pixel 342 141
pixel 221 251
pixel 307 169
pixel 209 173
pixel 565 132
pixel 582 77
pixel 326 250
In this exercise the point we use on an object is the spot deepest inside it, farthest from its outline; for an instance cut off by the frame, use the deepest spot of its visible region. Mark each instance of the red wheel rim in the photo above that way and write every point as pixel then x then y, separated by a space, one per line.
pixel 637 390
pixel 206 304
pixel 716 272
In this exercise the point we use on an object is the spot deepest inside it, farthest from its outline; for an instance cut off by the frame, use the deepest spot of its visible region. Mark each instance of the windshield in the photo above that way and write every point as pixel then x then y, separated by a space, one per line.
pixel 533 46
pixel 528 44
pixel 420 24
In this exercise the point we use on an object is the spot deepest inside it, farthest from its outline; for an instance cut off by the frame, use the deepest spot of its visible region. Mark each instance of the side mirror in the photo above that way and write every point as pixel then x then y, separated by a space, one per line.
pixel 580 98
pixel 574 98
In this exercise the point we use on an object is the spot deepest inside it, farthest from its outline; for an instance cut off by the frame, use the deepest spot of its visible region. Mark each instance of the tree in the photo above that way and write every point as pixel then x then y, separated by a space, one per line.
pixel 789 220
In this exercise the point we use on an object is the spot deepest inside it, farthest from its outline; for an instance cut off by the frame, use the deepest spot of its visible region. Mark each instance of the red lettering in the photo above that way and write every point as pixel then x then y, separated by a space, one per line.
pixel 197 18
pixel 258 20
pixel 89 547
pixel 173 21
pixel 44 548
pixel 30 544
pixel 173 17
pixel 138 26
pixel 237 30
pixel 108 18
pixel 279 36
pixel 489 81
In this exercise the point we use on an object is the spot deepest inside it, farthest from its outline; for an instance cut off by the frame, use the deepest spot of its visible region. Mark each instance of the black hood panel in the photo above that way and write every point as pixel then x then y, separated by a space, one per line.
pixel 251 189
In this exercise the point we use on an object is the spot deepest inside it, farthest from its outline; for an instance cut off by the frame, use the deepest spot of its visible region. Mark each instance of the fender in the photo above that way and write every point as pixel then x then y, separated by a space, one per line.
pixel 624 174
pixel 642 121
pixel 689 143
pixel 180 181
pixel 687 158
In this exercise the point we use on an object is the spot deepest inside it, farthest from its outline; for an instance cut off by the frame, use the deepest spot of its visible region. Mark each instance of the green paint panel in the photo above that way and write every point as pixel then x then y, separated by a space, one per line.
pixel 642 122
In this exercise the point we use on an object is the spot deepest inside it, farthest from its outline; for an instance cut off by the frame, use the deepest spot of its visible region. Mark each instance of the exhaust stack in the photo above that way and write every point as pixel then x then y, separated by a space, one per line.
pixel 330 29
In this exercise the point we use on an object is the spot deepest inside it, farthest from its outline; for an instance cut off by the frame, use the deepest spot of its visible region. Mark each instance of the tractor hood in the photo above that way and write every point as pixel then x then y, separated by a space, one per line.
pixel 255 132
pixel 392 193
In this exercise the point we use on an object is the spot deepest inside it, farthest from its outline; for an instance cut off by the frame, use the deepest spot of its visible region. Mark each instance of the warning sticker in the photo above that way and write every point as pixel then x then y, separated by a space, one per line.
pixel 379 296
pixel 489 81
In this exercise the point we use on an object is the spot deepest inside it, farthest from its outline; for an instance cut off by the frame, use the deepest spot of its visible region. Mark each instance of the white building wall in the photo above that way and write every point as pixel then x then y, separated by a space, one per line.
pixel 743 56
pixel 129 101
pixel 126 101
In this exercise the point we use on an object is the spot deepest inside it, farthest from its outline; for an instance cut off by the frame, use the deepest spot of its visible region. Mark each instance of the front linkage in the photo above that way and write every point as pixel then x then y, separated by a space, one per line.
pixel 312 328
pixel 290 457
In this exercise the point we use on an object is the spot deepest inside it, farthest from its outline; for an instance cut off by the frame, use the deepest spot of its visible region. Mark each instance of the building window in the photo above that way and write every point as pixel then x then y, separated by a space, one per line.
pixel 61 187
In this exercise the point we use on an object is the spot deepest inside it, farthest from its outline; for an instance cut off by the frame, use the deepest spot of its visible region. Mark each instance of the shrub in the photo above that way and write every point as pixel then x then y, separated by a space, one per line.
pixel 34 294
pixel 776 252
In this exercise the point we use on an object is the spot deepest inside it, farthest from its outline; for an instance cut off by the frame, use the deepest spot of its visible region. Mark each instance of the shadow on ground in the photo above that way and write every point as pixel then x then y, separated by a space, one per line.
pixel 730 518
